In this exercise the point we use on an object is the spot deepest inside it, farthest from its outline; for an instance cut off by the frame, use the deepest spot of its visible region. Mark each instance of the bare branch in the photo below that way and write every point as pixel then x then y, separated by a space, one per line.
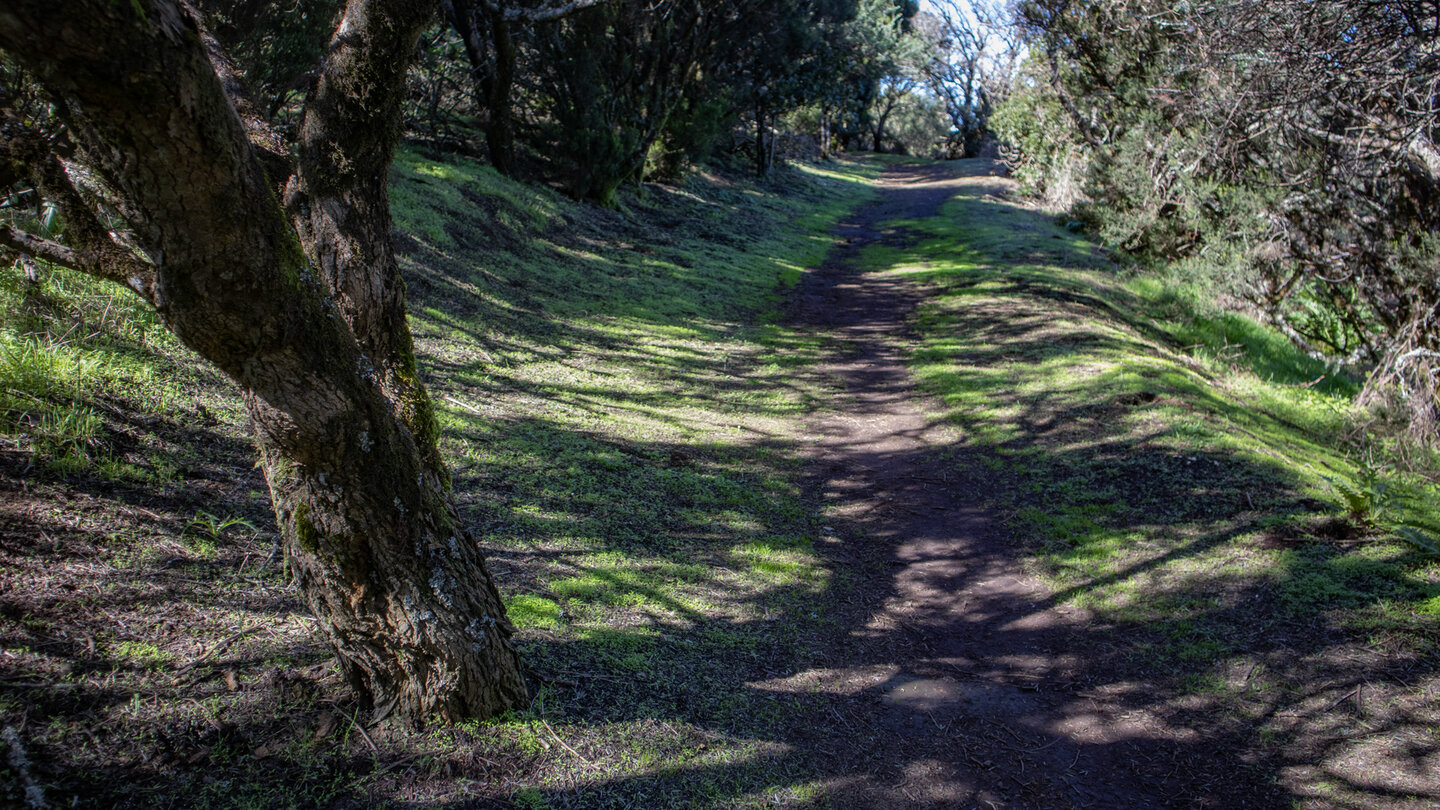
pixel 38 248
pixel 94 251
pixel 104 263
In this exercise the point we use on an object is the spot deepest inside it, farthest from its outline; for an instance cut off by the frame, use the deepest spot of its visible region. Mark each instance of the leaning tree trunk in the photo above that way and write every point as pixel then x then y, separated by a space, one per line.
pixel 306 313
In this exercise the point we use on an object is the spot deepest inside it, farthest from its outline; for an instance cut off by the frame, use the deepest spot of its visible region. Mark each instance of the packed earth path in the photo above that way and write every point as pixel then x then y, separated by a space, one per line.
pixel 960 680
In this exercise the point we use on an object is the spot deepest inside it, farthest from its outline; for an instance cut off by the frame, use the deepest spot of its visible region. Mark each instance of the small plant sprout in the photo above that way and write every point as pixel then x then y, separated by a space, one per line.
pixel 208 529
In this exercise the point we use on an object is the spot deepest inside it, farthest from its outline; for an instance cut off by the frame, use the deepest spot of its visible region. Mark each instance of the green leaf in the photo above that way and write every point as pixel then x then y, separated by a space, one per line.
pixel 1418 539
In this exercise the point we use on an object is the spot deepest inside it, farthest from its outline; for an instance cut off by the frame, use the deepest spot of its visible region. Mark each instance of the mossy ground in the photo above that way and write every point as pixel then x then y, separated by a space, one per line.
pixel 618 409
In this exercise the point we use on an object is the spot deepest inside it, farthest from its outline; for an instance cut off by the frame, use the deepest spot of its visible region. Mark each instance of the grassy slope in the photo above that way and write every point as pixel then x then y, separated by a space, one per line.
pixel 620 406
pixel 1180 474
pixel 616 399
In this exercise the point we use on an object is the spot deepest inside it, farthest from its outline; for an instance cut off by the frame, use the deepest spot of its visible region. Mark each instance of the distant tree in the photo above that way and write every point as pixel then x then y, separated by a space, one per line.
pixel 607 91
pixel 971 61
pixel 487 29
pixel 609 77
pixel 878 59
pixel 275 46
pixel 778 56
pixel 621 82
pixel 281 273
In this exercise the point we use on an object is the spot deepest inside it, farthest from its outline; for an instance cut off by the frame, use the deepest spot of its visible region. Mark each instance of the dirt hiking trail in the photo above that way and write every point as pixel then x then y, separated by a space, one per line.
pixel 958 683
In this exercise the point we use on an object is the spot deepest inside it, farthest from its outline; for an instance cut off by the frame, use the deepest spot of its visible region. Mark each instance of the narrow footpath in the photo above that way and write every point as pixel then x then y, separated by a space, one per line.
pixel 957 683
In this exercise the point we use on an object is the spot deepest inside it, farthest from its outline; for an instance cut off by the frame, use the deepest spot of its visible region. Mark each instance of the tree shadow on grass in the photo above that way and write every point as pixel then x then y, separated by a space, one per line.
pixel 948 712
pixel 1188 670
pixel 700 636
pixel 1187 662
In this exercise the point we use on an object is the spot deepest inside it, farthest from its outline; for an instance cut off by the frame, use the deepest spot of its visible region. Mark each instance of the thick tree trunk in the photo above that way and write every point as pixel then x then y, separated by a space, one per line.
pixel 305 313
pixel 378 549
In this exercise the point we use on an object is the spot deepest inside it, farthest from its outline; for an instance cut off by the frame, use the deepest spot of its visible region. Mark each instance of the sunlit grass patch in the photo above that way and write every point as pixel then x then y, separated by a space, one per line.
pixel 140 653
pixel 618 395
pixel 78 359
pixel 619 398
pixel 528 610
pixel 1154 443
pixel 855 173
pixel 778 562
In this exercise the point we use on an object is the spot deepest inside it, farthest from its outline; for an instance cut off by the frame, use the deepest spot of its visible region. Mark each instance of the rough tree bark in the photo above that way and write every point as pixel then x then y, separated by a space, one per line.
pixel 301 305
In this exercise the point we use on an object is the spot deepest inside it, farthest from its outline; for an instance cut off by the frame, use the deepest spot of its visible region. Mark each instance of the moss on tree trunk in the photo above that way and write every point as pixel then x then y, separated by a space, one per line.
pixel 303 306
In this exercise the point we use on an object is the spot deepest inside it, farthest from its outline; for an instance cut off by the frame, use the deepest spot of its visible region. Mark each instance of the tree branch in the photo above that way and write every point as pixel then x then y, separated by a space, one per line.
pixel 38 248
pixel 539 15
pixel 105 262
pixel 93 250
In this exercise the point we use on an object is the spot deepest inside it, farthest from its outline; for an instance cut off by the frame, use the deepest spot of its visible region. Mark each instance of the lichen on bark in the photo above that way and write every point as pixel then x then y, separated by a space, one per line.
pixel 310 326
pixel 305 534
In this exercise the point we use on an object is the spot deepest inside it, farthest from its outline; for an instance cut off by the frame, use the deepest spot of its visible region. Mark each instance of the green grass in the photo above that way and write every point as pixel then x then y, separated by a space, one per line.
pixel 76 357
pixel 1240 540
pixel 1182 472
pixel 619 400
pixel 1146 431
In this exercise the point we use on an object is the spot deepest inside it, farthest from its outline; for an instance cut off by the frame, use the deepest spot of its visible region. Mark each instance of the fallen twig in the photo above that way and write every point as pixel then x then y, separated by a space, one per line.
pixel 1342 698
pixel 594 675
pixel 1310 384
pixel 465 405
pixel 216 649
pixel 354 723
pixel 562 742
pixel 397 763
pixel 20 764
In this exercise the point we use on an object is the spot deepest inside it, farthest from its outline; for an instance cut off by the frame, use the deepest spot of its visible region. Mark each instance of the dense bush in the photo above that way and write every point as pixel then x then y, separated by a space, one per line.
pixel 1293 141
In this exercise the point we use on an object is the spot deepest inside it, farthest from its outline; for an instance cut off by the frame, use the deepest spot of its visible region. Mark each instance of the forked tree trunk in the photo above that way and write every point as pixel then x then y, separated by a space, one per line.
pixel 305 312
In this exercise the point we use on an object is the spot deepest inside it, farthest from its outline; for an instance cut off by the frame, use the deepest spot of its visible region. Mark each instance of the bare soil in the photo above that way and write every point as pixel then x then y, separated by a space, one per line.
pixel 960 682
